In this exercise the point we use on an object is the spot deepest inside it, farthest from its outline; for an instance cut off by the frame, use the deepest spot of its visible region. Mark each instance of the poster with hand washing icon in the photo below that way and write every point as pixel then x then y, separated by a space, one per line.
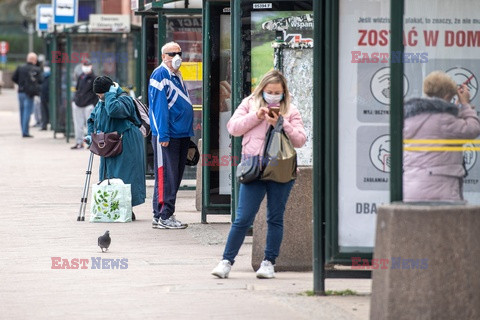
pixel 373 81
pixel 380 85
pixel 446 36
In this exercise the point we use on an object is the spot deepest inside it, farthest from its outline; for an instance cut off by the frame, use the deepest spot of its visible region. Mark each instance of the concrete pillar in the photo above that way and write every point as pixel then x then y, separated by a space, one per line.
pixel 296 249
pixel 433 270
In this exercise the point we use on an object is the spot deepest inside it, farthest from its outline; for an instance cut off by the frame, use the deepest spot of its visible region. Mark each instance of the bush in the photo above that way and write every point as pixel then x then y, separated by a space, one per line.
pixel 18 43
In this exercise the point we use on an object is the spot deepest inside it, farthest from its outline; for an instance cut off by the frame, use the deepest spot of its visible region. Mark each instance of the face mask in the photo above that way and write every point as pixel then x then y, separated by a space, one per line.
pixel 272 98
pixel 86 69
pixel 176 62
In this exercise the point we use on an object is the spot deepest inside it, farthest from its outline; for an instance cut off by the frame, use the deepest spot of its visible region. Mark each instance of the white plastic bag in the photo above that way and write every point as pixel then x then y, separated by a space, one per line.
pixel 111 201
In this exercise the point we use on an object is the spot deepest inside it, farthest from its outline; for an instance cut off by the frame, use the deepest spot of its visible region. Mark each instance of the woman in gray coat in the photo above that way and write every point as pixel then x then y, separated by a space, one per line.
pixel 437 175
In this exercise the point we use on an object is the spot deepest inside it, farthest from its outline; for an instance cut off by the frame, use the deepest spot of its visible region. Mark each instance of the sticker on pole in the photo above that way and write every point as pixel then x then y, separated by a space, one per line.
pixel 4 47
pixel 262 6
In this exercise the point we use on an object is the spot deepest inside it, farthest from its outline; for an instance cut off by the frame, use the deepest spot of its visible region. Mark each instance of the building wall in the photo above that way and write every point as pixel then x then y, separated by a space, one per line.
pixel 119 7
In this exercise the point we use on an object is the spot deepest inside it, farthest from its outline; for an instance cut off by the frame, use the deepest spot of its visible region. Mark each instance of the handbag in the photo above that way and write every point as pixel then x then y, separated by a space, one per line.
pixel 248 169
pixel 106 144
pixel 193 156
pixel 280 157
pixel 111 201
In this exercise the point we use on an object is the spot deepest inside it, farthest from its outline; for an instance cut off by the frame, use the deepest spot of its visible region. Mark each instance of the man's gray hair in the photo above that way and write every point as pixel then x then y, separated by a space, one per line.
pixel 169 44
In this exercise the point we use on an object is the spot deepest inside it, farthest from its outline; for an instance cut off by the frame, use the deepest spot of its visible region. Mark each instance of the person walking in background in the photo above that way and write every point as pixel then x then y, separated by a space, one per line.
pixel 82 104
pixel 28 78
pixel 116 112
pixel 251 120
pixel 37 102
pixel 171 118
pixel 437 175
pixel 45 97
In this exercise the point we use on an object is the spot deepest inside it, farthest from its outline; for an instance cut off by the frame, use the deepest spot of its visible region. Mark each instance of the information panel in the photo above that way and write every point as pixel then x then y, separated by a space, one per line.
pixel 438 36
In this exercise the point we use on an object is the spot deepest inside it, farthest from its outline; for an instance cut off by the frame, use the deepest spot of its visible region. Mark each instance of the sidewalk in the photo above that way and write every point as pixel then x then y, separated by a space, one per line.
pixel 168 274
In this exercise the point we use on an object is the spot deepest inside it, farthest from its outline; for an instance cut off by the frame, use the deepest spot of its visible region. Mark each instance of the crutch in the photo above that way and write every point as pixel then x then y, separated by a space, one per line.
pixel 83 201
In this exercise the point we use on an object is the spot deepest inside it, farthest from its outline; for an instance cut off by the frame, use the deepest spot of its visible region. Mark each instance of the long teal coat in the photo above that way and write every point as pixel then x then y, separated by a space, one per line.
pixel 113 115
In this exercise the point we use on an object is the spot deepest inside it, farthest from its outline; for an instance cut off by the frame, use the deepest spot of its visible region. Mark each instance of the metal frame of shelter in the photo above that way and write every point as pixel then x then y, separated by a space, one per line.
pixel 326 250
pixel 67 35
pixel 156 9
pixel 325 177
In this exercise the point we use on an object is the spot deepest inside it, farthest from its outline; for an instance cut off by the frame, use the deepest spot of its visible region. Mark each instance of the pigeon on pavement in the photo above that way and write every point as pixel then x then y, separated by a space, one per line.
pixel 104 241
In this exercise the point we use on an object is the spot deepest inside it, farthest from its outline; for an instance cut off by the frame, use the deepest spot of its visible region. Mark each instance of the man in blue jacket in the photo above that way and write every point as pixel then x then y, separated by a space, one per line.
pixel 171 120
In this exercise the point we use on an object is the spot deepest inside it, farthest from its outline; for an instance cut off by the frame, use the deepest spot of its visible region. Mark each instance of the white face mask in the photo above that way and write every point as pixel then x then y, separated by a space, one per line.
pixel 86 69
pixel 176 62
pixel 272 98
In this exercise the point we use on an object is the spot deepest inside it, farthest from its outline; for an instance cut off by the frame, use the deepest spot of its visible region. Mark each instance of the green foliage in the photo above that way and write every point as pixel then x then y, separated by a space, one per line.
pixel 18 48
pixel 348 292
pixel 13 31
pixel 107 204
pixel 18 43
pixel 262 61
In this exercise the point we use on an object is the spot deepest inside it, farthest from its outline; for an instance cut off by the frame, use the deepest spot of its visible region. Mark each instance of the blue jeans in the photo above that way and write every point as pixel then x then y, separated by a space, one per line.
pixel 26 108
pixel 249 199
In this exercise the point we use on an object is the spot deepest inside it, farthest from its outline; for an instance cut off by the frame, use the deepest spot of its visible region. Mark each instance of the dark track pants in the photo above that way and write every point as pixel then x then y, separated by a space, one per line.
pixel 169 166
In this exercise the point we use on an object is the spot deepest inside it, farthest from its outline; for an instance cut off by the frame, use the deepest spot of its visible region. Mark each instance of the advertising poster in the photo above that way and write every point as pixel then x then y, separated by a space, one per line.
pixel 284 39
pixel 437 36
pixel 225 105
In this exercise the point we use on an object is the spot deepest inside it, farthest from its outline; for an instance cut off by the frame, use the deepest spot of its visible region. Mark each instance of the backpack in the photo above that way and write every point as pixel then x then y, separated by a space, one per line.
pixel 31 86
pixel 142 114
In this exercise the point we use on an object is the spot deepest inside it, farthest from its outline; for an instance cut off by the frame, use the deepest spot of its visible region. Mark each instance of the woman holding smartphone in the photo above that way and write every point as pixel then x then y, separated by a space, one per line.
pixel 251 120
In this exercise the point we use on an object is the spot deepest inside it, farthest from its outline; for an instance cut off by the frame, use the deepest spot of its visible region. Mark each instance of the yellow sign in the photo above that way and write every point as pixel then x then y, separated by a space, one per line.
pixel 441 148
pixel 191 71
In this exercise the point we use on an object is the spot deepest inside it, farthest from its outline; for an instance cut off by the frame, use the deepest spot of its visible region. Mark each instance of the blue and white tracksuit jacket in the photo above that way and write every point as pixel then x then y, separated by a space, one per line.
pixel 171 111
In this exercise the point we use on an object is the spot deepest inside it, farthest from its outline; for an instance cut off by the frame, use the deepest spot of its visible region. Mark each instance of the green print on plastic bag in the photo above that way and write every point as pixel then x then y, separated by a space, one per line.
pixel 111 203
pixel 106 204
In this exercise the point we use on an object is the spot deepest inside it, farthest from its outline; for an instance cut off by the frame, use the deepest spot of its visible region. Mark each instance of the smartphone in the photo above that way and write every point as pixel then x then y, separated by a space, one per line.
pixel 272 110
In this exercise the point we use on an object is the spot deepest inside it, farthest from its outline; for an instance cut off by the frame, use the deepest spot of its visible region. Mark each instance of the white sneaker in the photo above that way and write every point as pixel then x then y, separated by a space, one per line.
pixel 222 269
pixel 170 223
pixel 266 270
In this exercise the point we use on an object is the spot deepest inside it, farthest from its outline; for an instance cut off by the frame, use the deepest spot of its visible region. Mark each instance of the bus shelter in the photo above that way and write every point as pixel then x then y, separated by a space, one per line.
pixel 114 54
pixel 162 22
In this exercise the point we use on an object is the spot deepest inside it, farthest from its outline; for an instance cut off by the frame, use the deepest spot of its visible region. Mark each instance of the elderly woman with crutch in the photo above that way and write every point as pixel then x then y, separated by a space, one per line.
pixel 115 112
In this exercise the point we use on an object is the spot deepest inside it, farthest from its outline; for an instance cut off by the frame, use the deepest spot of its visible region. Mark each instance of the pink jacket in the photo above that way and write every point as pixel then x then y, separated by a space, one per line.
pixel 244 122
pixel 436 175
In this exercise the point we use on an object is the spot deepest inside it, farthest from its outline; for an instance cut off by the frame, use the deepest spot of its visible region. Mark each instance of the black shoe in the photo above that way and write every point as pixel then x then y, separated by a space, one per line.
pixel 27 136
pixel 133 216
pixel 43 129
pixel 77 146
